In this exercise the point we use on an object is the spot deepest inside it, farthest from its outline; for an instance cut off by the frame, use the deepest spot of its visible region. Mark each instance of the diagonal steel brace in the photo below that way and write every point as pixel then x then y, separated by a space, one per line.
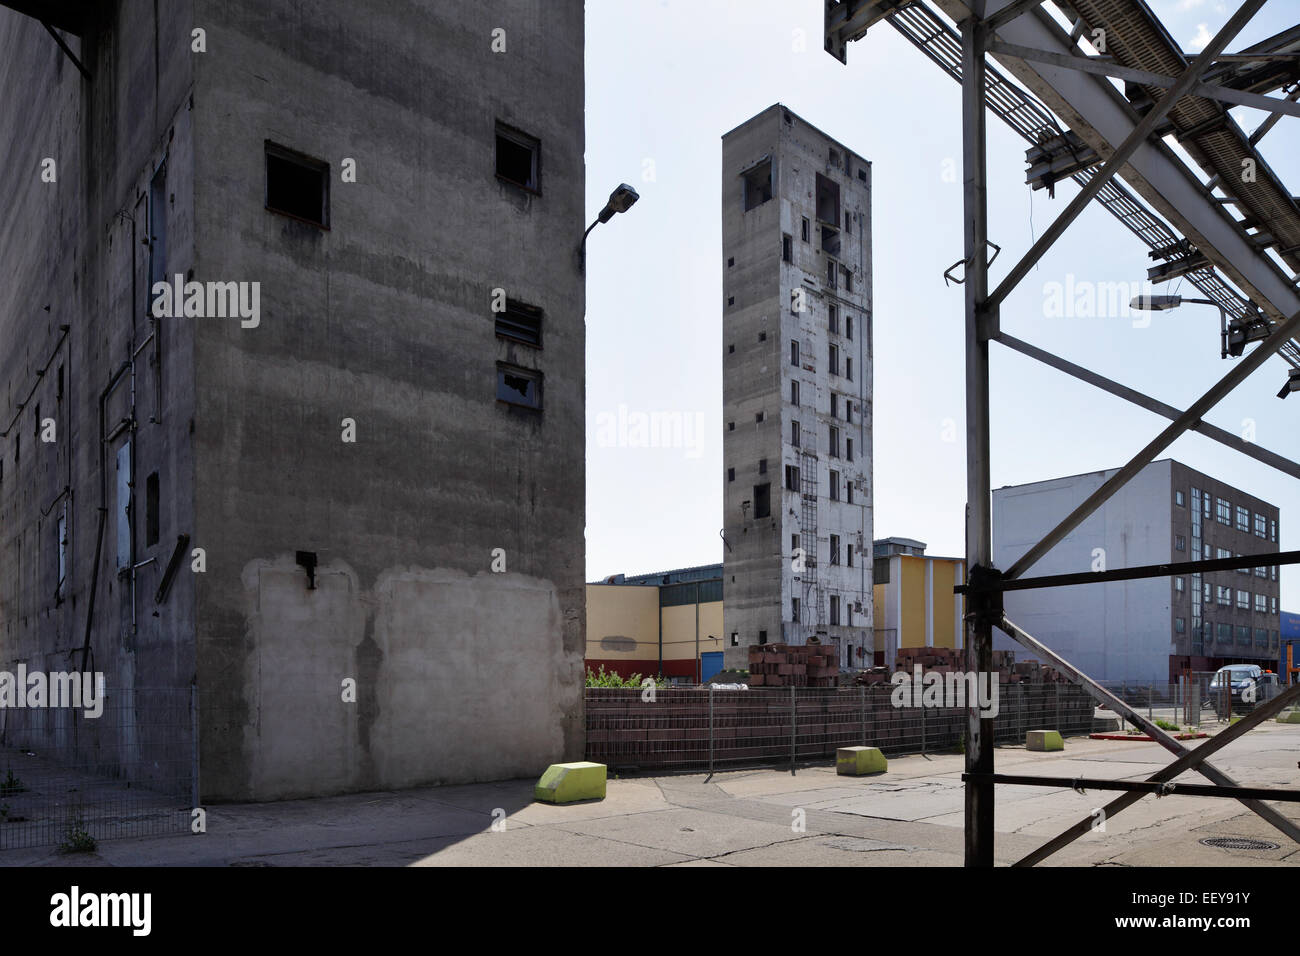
pixel 1188 761
pixel 1166 740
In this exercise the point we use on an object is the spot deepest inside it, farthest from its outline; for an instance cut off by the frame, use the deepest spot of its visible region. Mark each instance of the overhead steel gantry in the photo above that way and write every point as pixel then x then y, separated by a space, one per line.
pixel 1105 131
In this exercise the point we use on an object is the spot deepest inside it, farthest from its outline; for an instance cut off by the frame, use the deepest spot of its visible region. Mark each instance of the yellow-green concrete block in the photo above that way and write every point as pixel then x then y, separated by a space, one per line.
pixel 1289 717
pixel 856 761
pixel 567 782
pixel 1044 740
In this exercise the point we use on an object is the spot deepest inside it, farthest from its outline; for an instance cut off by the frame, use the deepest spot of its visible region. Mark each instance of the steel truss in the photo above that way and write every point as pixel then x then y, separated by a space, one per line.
pixel 962 53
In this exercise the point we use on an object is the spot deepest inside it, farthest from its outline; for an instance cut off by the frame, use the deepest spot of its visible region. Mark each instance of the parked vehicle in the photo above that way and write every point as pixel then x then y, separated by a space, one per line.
pixel 1238 687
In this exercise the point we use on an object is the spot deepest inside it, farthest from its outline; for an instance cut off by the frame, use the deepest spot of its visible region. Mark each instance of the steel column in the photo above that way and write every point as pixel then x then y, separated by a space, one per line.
pixel 979 323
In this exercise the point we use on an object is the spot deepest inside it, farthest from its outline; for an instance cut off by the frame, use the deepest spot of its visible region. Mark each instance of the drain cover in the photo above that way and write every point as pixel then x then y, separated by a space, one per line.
pixel 1240 843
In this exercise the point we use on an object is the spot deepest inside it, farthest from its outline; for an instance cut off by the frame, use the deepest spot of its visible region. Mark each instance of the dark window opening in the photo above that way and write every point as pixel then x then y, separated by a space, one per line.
pixel 828 200
pixel 792 477
pixel 830 241
pixel 763 501
pixel 158 226
pixel 297 185
pixel 787 248
pixel 521 323
pixel 518 158
pixel 519 386
pixel 830 273
pixel 762 336
pixel 794 393
pixel 762 637
pixel 762 466
pixel 730 349
pixel 805 228
pixel 757 185
pixel 151 510
pixel 731 300
pixel 731 262
pixel 731 474
pixel 794 353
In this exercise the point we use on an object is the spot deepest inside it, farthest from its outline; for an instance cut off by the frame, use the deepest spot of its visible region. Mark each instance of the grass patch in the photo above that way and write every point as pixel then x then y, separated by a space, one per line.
pixel 11 784
pixel 76 836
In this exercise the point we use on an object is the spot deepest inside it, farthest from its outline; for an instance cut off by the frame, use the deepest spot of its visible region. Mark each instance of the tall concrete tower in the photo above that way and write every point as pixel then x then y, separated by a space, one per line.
pixel 796 360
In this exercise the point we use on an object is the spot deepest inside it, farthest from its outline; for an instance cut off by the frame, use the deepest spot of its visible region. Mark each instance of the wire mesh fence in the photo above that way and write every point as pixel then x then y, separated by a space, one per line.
pixel 706 729
pixel 70 778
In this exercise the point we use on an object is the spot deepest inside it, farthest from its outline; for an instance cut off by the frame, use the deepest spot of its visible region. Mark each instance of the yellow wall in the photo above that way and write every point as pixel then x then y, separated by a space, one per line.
pixel 679 630
pixel 942 603
pixel 623 610
pixel 912 619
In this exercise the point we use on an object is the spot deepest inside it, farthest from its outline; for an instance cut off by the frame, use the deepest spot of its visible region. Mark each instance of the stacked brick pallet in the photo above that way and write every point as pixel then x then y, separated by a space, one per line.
pixel 793 665
pixel 945 660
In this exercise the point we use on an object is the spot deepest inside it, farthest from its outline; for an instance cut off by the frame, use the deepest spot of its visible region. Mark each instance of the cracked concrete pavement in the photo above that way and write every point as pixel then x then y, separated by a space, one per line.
pixel 910 816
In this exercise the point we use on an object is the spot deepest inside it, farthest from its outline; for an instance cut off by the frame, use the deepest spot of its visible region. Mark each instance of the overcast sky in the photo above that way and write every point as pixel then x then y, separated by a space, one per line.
pixel 665 80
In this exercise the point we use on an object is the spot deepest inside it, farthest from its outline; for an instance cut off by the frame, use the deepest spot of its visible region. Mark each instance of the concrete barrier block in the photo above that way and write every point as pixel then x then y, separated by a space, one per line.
pixel 856 761
pixel 1044 740
pixel 1289 717
pixel 567 782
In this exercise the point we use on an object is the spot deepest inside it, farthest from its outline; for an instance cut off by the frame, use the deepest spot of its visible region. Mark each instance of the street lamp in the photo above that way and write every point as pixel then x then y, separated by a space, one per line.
pixel 620 200
pixel 1233 335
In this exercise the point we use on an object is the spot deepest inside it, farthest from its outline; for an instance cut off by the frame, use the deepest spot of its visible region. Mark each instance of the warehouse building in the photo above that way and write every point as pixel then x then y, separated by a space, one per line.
pixel 1150 629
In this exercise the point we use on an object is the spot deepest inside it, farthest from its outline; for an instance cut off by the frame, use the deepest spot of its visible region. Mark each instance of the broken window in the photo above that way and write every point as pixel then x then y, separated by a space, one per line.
pixel 834 157
pixel 519 386
pixel 731 474
pixel 848 449
pixel 794 353
pixel 787 247
pixel 794 393
pixel 848 369
pixel 151 510
pixel 848 223
pixel 848 326
pixel 794 434
pixel 297 185
pixel 757 185
pixel 848 279
pixel 794 609
pixel 833 318
pixel 835 607
pixel 792 478
pixel 158 226
pixel 835 486
pixel 835 404
pixel 834 360
pixel 763 501
pixel 62 531
pixel 518 158
pixel 831 243
pixel 835 547
pixel 805 228
pixel 758 418
pixel 828 200
pixel 848 496
pixel 830 273
pixel 834 450
pixel 520 322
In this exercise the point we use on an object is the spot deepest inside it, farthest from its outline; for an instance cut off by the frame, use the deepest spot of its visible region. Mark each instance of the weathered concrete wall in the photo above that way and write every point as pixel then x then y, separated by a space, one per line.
pixel 74 253
pixel 462 673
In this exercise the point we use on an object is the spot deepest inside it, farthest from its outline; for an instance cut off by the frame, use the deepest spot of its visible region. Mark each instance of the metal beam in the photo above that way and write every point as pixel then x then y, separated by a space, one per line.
pixel 1235 442
pixel 1184 763
pixel 1191 76
pixel 1143 787
pixel 1100 694
pixel 1271 121
pixel 1009 13
pixel 980 795
pixel 1106 67
pixel 1274 559
pixel 1243 368
pixel 1102 116
pixel 67 51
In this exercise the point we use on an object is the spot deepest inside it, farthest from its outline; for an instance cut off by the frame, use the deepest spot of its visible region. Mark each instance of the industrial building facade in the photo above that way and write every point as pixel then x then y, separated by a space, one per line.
pixel 365 468
pixel 915 605
pixel 665 623
pixel 796 342
pixel 1151 629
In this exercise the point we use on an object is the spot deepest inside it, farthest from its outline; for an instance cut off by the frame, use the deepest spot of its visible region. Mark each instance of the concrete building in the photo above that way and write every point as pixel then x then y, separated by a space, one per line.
pixel 1152 629
pixel 668 623
pixel 796 359
pixel 379 460
pixel 914 601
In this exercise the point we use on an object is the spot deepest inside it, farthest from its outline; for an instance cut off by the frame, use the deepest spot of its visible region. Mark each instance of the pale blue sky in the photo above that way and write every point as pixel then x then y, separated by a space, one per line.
pixel 666 79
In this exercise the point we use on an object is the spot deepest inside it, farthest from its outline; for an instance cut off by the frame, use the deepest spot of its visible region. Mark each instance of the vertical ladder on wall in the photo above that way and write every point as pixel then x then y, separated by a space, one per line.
pixel 811 611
